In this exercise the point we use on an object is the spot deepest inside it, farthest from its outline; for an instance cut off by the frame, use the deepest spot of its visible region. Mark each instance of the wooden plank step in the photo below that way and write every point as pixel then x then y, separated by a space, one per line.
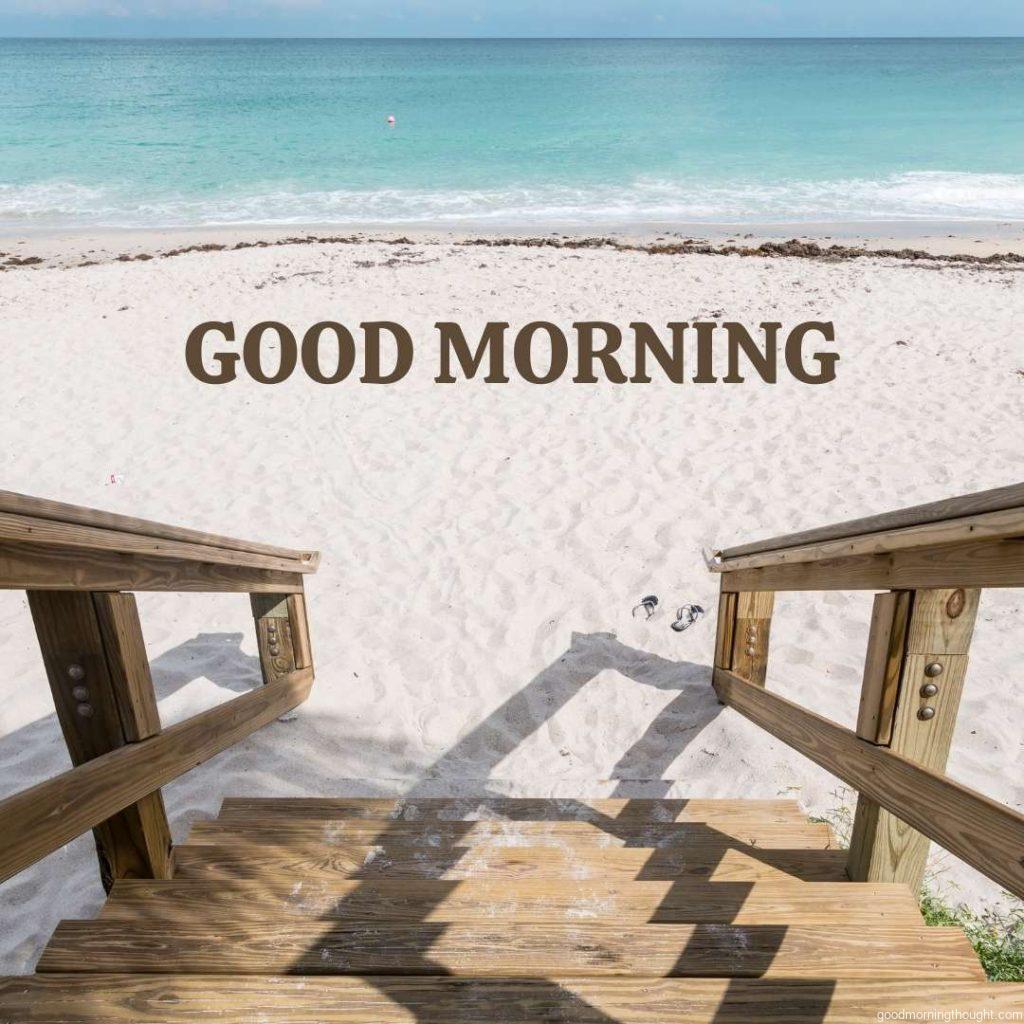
pixel 842 903
pixel 357 832
pixel 185 999
pixel 719 861
pixel 510 950
pixel 596 810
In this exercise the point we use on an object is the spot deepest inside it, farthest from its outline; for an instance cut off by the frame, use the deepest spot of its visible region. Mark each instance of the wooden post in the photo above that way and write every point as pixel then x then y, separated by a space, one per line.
pixel 99 675
pixel 282 634
pixel 887 642
pixel 750 635
pixel 300 630
pixel 913 679
pixel 726 629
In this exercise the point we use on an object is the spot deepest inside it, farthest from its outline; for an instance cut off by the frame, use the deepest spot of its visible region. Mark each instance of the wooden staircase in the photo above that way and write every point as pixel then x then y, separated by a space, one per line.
pixel 323 911
pixel 490 910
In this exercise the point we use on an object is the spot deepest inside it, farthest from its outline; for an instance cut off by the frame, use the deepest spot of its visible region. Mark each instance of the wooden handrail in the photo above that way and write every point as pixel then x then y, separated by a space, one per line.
pixel 42 819
pixel 987 835
pixel 51 533
pixel 41 567
pixel 996 500
pixel 972 541
pixel 47 545
pixel 996 562
pixel 79 567
pixel 79 515
pixel 987 526
pixel 931 561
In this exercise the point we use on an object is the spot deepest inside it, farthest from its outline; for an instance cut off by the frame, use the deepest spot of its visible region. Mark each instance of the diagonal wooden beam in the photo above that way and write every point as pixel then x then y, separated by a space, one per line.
pixel 42 819
pixel 986 834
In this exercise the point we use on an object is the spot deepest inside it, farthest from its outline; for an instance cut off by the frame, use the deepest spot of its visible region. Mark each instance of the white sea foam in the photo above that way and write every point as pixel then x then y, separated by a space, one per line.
pixel 919 195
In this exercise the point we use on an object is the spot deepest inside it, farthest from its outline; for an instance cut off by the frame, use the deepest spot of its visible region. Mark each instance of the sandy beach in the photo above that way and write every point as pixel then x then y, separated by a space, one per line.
pixel 70 247
pixel 484 545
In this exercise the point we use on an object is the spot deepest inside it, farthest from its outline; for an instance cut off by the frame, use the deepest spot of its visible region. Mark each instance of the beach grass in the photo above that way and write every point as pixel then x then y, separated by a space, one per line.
pixel 997 934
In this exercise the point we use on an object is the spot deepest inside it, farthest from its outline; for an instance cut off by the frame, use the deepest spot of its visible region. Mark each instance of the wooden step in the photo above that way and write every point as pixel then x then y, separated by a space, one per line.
pixel 358 832
pixel 185 999
pixel 478 912
pixel 502 949
pixel 598 810
pixel 288 862
pixel 840 903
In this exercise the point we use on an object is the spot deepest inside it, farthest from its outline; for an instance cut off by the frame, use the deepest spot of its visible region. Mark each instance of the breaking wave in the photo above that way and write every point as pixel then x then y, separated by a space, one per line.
pixel 919 195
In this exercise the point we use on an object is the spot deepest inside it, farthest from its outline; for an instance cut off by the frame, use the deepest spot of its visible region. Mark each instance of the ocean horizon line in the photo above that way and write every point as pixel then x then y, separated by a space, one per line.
pixel 504 38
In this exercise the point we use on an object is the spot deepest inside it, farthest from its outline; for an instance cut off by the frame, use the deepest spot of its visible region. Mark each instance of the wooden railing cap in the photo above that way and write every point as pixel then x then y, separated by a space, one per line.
pixel 26 520
pixel 986 515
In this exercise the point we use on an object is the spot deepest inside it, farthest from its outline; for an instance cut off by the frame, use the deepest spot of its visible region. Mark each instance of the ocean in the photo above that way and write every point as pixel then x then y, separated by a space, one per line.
pixel 525 133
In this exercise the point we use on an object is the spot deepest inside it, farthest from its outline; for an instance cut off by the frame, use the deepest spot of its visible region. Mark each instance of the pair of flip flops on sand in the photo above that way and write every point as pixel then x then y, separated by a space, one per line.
pixel 686 615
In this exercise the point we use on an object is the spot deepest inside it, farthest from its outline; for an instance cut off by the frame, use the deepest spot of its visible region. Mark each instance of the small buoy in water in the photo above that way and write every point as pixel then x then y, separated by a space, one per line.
pixel 391 119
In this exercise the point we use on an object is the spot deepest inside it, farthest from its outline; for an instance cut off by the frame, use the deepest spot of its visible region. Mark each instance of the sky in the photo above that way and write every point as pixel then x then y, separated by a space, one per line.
pixel 490 18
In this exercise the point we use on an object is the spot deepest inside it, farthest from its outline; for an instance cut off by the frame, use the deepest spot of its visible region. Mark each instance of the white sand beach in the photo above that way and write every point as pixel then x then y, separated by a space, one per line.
pixel 483 545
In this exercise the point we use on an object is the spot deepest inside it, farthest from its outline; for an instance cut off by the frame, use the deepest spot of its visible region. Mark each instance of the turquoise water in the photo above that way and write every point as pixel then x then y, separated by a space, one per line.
pixel 537 132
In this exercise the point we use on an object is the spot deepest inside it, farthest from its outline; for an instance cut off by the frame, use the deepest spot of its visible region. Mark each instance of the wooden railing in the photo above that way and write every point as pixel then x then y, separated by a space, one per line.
pixel 79 568
pixel 931 562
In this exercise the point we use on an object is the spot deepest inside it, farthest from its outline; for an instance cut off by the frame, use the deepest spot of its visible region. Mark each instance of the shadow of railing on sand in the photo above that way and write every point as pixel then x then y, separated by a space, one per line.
pixel 499 735
pixel 494 739
pixel 31 754
pixel 444 868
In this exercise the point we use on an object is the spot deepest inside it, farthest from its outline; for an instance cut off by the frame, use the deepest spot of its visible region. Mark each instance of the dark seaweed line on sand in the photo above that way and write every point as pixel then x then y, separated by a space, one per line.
pixel 794 248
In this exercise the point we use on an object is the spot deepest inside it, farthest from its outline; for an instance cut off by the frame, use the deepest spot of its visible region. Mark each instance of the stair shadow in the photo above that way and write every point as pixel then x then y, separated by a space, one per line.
pixel 496 737
pixel 219 657
pixel 493 739
pixel 588 654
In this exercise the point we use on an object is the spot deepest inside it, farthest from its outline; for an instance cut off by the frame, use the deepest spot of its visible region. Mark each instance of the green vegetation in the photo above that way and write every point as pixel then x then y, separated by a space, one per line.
pixel 840 815
pixel 997 937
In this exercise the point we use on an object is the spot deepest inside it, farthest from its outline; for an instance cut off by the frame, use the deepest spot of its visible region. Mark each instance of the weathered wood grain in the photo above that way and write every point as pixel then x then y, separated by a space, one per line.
pixel 43 818
pixel 725 628
pixel 598 810
pixel 356 832
pixel 988 835
pixel 943 621
pixel 43 508
pixel 273 635
pixel 32 531
pixel 974 564
pixel 719 861
pixel 508 950
pixel 751 633
pixel 992 526
pixel 70 642
pixel 185 999
pixel 36 567
pixel 569 901
pixel 300 630
pixel 92 646
pixel 890 618
pixel 118 618
pixel 978 504
pixel 883 847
